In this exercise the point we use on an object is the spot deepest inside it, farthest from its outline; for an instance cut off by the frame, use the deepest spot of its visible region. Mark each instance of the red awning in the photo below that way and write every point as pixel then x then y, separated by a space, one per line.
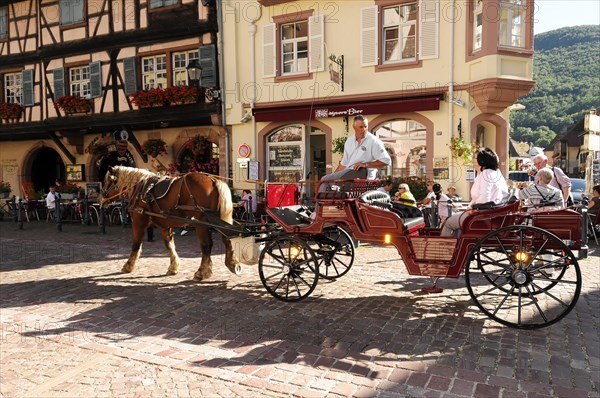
pixel 323 111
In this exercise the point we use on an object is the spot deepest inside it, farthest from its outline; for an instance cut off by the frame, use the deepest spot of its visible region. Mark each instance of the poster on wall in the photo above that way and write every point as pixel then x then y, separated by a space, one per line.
pixel 441 174
pixel 75 172
pixel 253 170
pixel 285 156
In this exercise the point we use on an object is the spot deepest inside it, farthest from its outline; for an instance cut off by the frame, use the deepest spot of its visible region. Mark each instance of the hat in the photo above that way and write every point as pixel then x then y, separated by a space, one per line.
pixel 437 188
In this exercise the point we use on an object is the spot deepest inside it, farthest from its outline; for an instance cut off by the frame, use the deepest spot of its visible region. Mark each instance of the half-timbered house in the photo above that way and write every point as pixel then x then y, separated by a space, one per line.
pixel 73 73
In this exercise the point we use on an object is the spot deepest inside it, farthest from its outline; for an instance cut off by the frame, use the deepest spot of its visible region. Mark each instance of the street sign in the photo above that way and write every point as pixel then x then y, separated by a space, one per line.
pixel 244 150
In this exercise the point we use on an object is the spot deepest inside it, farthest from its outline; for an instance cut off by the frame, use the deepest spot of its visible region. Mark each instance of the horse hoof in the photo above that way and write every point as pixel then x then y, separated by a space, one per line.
pixel 169 272
pixel 126 270
pixel 197 279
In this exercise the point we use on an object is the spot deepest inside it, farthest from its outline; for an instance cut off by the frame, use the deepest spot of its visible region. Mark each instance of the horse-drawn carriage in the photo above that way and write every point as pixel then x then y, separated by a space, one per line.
pixel 519 266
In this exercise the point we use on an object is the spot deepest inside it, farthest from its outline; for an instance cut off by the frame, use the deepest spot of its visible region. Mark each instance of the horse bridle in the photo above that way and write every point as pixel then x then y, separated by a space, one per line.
pixel 112 181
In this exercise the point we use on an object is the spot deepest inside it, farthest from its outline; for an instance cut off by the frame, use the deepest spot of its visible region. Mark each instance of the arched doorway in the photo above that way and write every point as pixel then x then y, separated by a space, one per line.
pixel 46 167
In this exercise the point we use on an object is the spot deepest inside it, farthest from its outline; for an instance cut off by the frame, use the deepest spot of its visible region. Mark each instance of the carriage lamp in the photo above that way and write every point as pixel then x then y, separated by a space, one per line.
pixel 521 256
pixel 294 252
pixel 387 239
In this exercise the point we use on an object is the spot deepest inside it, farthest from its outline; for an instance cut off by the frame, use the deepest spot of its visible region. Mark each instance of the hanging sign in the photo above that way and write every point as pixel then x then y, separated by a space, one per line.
pixel 244 150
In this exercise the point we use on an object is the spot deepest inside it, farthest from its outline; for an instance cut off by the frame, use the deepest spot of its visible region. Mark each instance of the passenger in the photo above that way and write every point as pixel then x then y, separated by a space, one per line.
pixel 426 203
pixel 541 195
pixel 404 193
pixel 594 204
pixel 442 202
pixel 386 187
pixel 489 186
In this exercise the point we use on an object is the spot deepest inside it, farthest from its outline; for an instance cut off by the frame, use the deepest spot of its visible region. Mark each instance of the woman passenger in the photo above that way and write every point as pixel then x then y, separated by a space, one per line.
pixel 404 193
pixel 489 186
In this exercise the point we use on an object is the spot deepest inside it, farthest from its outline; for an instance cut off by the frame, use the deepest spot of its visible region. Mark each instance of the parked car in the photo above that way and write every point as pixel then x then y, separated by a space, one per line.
pixel 519 176
pixel 577 189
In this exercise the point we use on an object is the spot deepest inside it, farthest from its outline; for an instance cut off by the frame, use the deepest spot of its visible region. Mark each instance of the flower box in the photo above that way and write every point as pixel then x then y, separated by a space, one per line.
pixel 154 147
pixel 155 97
pixel 74 105
pixel 10 111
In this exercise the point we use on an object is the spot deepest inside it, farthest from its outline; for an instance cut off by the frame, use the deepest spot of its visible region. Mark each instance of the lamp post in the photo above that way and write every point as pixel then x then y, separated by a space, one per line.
pixel 194 71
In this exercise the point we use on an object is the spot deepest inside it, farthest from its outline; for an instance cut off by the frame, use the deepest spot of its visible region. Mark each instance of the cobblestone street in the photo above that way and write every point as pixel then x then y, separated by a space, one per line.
pixel 73 325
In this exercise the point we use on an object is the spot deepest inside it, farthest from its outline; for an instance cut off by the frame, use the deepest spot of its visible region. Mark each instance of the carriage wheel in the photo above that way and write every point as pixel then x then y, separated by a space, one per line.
pixel 523 277
pixel 288 268
pixel 335 252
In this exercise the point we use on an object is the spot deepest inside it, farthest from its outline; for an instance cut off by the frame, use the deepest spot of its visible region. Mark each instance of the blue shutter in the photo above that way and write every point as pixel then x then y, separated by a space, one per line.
pixel 155 3
pixel 28 93
pixel 130 75
pixel 59 83
pixel 96 79
pixel 71 11
pixel 3 22
pixel 78 10
pixel 208 63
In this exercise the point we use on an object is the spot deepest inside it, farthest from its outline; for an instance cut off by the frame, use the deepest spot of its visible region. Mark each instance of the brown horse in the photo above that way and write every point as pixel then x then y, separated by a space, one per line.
pixel 191 195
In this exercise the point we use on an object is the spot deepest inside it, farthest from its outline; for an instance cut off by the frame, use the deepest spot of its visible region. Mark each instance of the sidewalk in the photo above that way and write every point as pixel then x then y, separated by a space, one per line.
pixel 73 325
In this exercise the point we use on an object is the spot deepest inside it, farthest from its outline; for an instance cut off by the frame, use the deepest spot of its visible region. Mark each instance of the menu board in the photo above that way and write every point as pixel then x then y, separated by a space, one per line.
pixel 285 156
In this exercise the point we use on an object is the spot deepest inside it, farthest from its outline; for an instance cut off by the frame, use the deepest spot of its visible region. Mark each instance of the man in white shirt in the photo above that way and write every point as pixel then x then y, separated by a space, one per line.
pixel 386 187
pixel 51 198
pixel 362 151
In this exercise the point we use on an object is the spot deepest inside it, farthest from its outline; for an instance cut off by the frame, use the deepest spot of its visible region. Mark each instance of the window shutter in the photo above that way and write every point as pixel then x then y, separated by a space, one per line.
pixel 208 63
pixel 59 83
pixel 155 3
pixel 96 79
pixel 316 43
pixel 130 75
pixel 27 82
pixel 429 29
pixel 269 54
pixel 3 22
pixel 77 10
pixel 65 12
pixel 369 36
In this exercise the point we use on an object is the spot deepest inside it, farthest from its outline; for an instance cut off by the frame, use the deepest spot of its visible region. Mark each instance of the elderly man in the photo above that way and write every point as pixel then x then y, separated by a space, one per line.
pixel 560 180
pixel 363 151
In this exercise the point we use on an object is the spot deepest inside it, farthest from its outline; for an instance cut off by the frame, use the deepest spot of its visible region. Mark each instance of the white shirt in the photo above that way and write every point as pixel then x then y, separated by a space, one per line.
pixel 370 149
pixel 489 186
pixel 50 198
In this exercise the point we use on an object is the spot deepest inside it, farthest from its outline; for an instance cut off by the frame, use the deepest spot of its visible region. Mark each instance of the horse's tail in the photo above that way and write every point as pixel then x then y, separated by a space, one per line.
pixel 225 203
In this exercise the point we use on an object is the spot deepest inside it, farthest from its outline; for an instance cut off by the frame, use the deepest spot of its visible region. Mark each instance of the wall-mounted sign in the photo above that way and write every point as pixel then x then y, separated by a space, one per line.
pixel 244 150
pixel 75 172
pixel 253 170
pixel 470 175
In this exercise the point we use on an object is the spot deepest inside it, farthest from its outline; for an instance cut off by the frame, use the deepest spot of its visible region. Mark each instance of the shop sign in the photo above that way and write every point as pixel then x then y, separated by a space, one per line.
pixel 326 112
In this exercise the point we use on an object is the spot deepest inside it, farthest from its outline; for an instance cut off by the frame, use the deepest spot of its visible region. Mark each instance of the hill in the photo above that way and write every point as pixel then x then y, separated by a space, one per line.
pixel 566 68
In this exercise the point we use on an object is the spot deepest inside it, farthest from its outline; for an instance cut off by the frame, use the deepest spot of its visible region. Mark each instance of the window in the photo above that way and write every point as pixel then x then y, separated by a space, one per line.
pixel 399 33
pixel 285 154
pixel 154 72
pixel 512 23
pixel 406 139
pixel 13 87
pixel 162 3
pixel 79 79
pixel 294 47
pixel 3 23
pixel 180 63
pixel 478 25
pixel 71 11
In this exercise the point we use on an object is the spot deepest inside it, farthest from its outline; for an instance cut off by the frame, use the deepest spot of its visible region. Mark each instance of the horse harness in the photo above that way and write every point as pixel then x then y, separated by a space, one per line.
pixel 156 188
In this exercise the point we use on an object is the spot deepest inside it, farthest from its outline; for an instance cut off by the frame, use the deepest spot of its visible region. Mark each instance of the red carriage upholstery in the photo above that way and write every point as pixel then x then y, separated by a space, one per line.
pixel 481 222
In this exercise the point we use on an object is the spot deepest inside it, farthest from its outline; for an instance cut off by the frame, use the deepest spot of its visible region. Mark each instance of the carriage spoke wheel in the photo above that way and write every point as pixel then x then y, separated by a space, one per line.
pixel 335 252
pixel 523 277
pixel 288 268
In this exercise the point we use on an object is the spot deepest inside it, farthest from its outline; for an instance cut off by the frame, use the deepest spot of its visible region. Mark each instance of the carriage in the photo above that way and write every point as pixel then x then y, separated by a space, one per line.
pixel 519 266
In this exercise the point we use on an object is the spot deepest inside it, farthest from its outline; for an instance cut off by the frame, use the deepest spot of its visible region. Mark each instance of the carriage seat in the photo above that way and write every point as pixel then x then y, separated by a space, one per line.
pixel 412 217
pixel 490 216
pixel 289 216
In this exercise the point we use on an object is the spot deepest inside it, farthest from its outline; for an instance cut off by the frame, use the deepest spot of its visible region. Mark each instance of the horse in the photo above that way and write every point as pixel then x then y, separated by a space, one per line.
pixel 190 195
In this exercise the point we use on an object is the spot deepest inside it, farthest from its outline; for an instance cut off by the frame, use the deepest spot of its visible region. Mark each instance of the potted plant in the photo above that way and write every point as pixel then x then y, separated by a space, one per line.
pixel 155 147
pixel 5 189
pixel 73 104
pixel 198 155
pixel 150 98
pixel 182 94
pixel 96 148
pixel 10 110
pixel 68 190
pixel 461 149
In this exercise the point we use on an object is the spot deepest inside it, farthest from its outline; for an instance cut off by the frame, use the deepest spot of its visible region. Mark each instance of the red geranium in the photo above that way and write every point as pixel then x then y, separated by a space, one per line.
pixel 148 98
pixel 73 104
pixel 10 110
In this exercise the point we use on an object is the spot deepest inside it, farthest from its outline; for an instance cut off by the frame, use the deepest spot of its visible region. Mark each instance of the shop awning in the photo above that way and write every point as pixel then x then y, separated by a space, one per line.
pixel 347 109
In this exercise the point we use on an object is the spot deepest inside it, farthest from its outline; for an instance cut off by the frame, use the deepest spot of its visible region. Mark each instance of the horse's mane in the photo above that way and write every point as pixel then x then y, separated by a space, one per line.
pixel 128 178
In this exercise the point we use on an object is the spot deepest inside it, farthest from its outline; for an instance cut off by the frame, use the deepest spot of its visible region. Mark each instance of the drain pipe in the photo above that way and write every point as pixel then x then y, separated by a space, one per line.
pixel 451 91
pixel 228 172
pixel 252 30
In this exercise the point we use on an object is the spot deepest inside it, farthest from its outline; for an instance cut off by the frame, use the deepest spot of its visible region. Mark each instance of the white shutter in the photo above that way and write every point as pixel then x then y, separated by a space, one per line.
pixel 316 43
pixel 269 51
pixel 429 29
pixel 369 36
